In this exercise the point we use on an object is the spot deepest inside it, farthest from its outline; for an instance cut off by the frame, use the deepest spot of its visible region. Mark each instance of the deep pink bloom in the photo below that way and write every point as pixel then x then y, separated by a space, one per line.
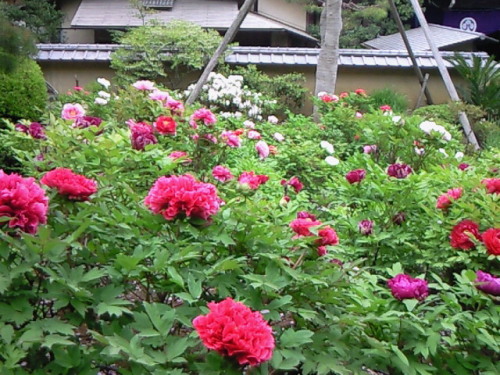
pixel 86 121
pixel 328 98
pixel 174 155
pixel 355 176
pixel 399 218
pixel 322 251
pixel 492 185
pixel 71 111
pixel 204 115
pixel 305 215
pixel 491 239
pixel 302 226
pixel 487 283
pixel 23 201
pixel 444 200
pixel 176 107
pixel 144 85
pixel 360 92
pixel 405 287
pixel 253 134
pixel 232 138
pixel 67 182
pixel 460 235
pixel 141 135
pixel 295 183
pixel 35 130
pixel 165 125
pixel 399 170
pixel 463 166
pixel 222 174
pixel 251 180
pixel 343 95
pixel 385 108
pixel 328 237
pixel 368 149
pixel 262 149
pixel 182 195
pixel 365 227
pixel 233 330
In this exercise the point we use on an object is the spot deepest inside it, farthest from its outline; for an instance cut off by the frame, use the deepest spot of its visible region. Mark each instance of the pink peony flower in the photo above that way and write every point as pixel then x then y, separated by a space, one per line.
pixel 86 121
pixel 328 237
pixel 165 125
pixel 365 227
pixel 460 237
pixel 360 92
pixel 328 98
pixel 358 115
pixel 492 185
pixel 159 95
pixel 263 149
pixel 343 95
pixel 35 130
pixel 222 174
pixel 399 170
pixel 233 330
pixel 369 149
pixel 355 176
pixel 72 111
pixel 279 137
pixel 204 115
pixel 487 283
pixel 67 182
pixel 463 166
pixel 294 182
pixel 141 135
pixel 405 287
pixel 491 239
pixel 305 215
pixel 385 108
pixel 444 200
pixel 177 196
pixel 144 85
pixel 253 134
pixel 23 201
pixel 272 119
pixel 179 154
pixel 251 180
pixel 176 107
pixel 249 124
pixel 232 138
pixel 302 226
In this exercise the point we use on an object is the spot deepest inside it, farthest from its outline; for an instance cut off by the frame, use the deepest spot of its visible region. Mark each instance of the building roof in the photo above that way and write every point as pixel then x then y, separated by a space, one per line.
pixel 210 14
pixel 443 36
pixel 261 56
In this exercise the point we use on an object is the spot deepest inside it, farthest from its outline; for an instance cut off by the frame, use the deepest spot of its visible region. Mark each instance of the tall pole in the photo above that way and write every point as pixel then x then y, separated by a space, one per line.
pixel 228 37
pixel 450 87
pixel 416 68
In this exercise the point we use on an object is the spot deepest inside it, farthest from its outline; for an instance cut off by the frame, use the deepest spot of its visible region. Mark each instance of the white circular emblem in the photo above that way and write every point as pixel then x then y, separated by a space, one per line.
pixel 468 24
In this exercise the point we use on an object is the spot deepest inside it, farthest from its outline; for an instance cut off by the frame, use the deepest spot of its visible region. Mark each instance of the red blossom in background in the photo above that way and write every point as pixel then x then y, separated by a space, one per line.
pixel 67 182
pixel 463 166
pixel 343 95
pixel 252 180
pixel 360 92
pixel 327 98
pixel 222 174
pixel 23 201
pixel 399 170
pixel 234 330
pixel 328 237
pixel 35 130
pixel 405 287
pixel 355 176
pixel 491 239
pixel 302 226
pixel 487 283
pixel 444 200
pixel 294 182
pixel 141 135
pixel 385 108
pixel 459 237
pixel 492 185
pixel 183 195
pixel 165 125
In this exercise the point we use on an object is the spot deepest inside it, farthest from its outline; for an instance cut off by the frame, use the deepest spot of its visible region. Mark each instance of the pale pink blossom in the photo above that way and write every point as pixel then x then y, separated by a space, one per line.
pixel 175 106
pixel 144 85
pixel 279 137
pixel 159 95
pixel 72 111
pixel 204 115
pixel 253 134
pixel 358 115
pixel 369 149
pixel 249 124
pixel 272 119
pixel 263 149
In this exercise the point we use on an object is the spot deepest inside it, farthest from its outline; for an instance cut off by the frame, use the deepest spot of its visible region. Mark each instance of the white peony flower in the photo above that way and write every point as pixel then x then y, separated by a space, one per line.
pixel 442 150
pixel 419 151
pixel 279 137
pixel 104 82
pixel 272 119
pixel 327 146
pixel 459 155
pixel 330 160
pixel 104 94
pixel 100 101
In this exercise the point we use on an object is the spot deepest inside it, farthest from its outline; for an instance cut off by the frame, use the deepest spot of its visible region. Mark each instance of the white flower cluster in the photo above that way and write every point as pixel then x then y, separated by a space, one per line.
pixel 103 96
pixel 231 96
pixel 328 147
pixel 429 126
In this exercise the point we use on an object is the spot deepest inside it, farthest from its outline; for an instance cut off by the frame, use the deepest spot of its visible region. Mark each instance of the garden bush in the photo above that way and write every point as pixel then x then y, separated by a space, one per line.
pixel 24 94
pixel 178 241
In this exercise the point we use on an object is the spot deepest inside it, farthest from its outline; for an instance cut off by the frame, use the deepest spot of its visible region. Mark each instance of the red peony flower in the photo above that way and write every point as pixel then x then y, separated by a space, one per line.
pixel 222 174
pixel 182 195
pixel 83 122
pixel 23 201
pixel 328 237
pixel 75 186
pixel 294 182
pixel 460 235
pixel 305 215
pixel 165 125
pixel 141 135
pixel 487 283
pixel 405 287
pixel 302 226
pixel 385 108
pixel 492 185
pixel 251 180
pixel 491 239
pixel 444 200
pixel 463 166
pixel 360 92
pixel 233 330
pixel 356 175
pixel 399 170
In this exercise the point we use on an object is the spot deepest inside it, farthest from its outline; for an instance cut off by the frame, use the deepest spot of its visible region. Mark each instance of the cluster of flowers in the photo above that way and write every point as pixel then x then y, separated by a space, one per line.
pixel 25 202
pixel 302 227
pixel 34 129
pixel 247 180
pixel 232 98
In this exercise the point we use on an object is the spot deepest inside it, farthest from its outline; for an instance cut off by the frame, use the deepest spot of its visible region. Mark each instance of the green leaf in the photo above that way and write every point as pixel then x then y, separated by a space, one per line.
pixel 291 338
pixel 194 286
pixel 410 304
pixel 400 355
pixel 176 277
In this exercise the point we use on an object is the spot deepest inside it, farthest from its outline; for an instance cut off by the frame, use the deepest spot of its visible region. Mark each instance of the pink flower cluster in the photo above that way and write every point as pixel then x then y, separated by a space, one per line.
pixel 202 115
pixel 141 135
pixel 251 180
pixel 492 185
pixel 222 174
pixel 302 227
pixel 294 183
pixel 23 201
pixel 75 186
pixel 234 330
pixel 35 129
pixel 444 200
pixel 176 196
pixel 405 287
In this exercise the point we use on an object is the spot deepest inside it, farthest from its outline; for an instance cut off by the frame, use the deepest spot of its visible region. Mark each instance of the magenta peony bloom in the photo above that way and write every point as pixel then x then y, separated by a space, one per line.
pixel 232 138
pixel 294 182
pixel 385 108
pixel 262 149
pixel 144 85
pixel 463 166
pixel 72 111
pixel 461 233
pixel 491 239
pixel 176 107
pixel 369 149
pixel 365 227
pixel 176 196
pixel 86 121
pixel 204 115
pixel 233 330
pixel 305 215
pixel 141 135
pixel 35 130
pixel 492 185
pixel 328 237
pixel 75 186
pixel 444 200
pixel 405 287
pixel 23 201
pixel 251 180
pixel 222 174
pixel 355 176
pixel 487 283
pixel 399 170
pixel 302 226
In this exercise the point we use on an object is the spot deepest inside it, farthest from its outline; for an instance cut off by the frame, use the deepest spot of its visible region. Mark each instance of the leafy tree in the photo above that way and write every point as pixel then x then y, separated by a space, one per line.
pixel 16 43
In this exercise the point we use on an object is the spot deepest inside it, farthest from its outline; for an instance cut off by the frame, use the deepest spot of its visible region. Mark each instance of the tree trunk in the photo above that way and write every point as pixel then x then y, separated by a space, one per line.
pixel 228 37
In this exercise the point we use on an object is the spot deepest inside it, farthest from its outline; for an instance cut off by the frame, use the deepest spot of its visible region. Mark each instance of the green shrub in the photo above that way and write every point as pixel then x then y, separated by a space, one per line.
pixel 387 96
pixel 437 112
pixel 24 93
